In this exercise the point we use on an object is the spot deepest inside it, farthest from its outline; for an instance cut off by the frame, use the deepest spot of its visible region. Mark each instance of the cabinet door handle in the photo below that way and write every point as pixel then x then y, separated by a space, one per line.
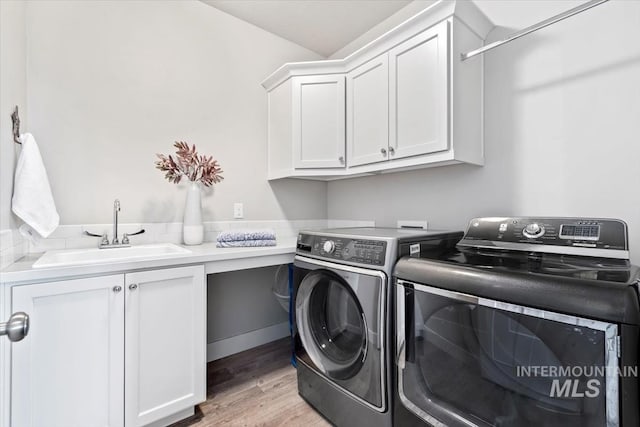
pixel 117 289
pixel 341 159
pixel 17 327
pixel 392 150
pixel 133 287
pixel 383 151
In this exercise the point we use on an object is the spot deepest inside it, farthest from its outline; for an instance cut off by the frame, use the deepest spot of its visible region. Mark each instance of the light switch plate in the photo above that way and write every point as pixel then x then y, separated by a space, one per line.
pixel 238 210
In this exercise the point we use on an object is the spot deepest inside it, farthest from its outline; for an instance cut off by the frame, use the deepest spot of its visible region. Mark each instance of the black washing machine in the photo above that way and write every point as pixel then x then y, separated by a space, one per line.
pixel 527 322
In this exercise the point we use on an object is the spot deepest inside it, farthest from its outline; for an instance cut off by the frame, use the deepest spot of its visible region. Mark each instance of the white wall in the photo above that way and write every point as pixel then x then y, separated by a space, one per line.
pixel 12 93
pixel 110 84
pixel 562 129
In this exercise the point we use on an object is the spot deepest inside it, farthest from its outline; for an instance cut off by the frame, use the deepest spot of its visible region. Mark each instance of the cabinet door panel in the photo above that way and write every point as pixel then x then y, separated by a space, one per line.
pixel 165 341
pixel 279 149
pixel 368 112
pixel 419 94
pixel 69 370
pixel 318 121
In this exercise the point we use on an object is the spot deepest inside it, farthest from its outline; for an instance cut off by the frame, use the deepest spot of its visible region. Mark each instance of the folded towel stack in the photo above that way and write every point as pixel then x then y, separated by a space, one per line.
pixel 246 238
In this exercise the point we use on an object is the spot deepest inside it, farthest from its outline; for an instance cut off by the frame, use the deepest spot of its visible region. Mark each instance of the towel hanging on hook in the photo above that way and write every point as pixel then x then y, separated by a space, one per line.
pixel 15 119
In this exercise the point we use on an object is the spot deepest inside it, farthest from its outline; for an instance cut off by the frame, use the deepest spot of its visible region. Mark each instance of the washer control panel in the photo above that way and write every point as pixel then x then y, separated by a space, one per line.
pixel 361 251
pixel 576 232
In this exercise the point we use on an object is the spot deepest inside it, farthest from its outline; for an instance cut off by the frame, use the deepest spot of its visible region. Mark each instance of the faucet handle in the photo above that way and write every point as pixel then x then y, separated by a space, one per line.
pixel 104 238
pixel 125 236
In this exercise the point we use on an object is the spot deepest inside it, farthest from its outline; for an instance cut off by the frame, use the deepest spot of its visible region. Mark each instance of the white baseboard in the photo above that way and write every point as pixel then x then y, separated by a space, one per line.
pixel 226 347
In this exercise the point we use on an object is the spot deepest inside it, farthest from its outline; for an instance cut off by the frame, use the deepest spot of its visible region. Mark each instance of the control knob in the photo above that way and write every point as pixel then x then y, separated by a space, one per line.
pixel 329 246
pixel 533 230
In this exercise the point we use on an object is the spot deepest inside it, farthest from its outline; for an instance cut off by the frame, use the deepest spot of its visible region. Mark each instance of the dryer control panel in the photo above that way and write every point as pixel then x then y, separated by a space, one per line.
pixel 361 251
pixel 571 236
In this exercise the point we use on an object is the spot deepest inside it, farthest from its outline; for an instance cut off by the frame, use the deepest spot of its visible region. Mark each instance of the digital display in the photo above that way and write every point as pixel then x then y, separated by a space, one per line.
pixel 580 232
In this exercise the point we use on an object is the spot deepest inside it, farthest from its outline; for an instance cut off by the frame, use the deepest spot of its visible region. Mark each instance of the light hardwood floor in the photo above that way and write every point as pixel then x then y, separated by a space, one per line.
pixel 254 388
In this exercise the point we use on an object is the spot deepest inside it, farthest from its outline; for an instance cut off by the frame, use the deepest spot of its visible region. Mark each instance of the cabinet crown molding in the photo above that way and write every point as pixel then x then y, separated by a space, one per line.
pixel 465 10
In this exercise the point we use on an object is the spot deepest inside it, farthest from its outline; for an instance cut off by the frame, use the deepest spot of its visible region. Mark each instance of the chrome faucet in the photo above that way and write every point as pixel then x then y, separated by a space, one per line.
pixel 115 243
pixel 116 209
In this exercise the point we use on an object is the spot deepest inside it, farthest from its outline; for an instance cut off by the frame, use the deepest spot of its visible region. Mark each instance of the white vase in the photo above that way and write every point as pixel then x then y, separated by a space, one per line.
pixel 192 228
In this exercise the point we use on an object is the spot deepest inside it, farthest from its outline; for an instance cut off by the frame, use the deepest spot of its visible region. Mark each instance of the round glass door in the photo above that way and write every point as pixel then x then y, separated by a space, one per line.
pixel 331 324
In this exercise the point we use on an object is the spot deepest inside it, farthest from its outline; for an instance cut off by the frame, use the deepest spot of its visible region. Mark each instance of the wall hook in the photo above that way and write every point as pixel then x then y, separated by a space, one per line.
pixel 16 125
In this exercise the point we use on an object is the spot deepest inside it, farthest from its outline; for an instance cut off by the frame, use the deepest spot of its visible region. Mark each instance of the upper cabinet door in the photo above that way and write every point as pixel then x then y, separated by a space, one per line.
pixel 368 112
pixel 69 370
pixel 419 87
pixel 318 121
pixel 165 354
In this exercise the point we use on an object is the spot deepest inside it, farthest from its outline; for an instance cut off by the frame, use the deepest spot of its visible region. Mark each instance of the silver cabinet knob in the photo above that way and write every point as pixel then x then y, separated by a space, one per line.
pixel 341 159
pixel 383 151
pixel 392 150
pixel 17 327
pixel 133 287
pixel 117 289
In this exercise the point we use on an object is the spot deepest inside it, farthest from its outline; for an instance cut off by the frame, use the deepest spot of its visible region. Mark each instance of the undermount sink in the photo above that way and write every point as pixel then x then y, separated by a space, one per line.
pixel 61 258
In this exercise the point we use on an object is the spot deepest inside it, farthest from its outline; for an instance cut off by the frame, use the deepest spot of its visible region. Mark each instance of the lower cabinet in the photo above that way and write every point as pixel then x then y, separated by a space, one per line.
pixel 69 370
pixel 165 343
pixel 119 350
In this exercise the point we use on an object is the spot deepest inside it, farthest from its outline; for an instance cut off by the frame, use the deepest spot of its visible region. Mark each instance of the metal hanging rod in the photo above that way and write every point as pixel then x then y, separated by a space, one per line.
pixel 531 29
pixel 15 119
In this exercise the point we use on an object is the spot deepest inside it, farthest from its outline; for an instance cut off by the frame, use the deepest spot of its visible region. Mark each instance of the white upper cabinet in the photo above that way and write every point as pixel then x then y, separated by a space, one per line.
pixel 419 82
pixel 306 131
pixel 410 102
pixel 318 121
pixel 397 103
pixel 368 112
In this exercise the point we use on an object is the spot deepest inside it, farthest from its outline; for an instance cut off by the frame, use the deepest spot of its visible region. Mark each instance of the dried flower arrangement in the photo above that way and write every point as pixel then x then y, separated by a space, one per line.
pixel 188 163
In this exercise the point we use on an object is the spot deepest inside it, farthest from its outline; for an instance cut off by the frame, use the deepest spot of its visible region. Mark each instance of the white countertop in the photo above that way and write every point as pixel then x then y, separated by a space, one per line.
pixel 216 260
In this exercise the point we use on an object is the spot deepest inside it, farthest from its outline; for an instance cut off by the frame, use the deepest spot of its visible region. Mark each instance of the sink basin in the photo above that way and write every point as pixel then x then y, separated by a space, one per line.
pixel 70 257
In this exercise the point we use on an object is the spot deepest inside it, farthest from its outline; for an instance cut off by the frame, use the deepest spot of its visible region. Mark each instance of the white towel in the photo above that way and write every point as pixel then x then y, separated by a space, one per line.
pixel 32 198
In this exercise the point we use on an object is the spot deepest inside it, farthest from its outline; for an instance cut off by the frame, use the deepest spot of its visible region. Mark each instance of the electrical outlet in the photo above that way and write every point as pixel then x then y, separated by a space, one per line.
pixel 238 210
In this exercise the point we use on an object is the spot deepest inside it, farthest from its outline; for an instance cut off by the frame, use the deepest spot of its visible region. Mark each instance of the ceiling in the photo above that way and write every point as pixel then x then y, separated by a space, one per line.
pixel 326 26
pixel 323 26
